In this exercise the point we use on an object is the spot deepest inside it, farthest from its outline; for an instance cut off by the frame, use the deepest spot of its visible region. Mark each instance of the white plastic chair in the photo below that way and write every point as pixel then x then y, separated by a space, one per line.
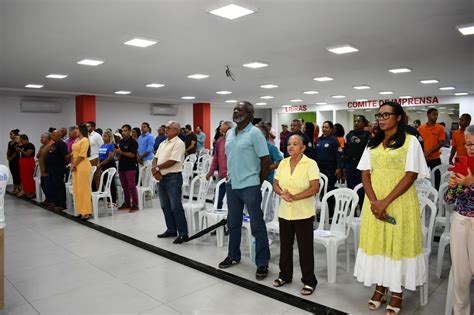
pixel 212 216
pixel 423 181
pixel 193 207
pixel 356 221
pixel 40 196
pixel 103 192
pixel 323 189
pixel 191 158
pixel 346 202
pixel 274 226
pixel 445 177
pixel 440 169
pixel 443 219
pixel 187 174
pixel 203 165
pixel 144 187
pixel 427 191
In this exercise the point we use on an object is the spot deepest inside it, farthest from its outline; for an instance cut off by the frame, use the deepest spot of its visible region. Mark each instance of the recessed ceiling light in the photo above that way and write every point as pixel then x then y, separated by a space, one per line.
pixel 321 103
pixel 255 64
pixel 442 108
pixel 231 11
pixel 123 92
pixel 296 100
pixel 447 88
pixel 56 76
pixel 405 96
pixel 400 70
pixel 431 106
pixel 361 87
pixel 260 104
pixel 362 100
pixel 223 92
pixel 461 93
pixel 268 86
pixel 351 110
pixel 310 92
pixel 34 86
pixel 188 97
pixel 323 79
pixel 231 101
pixel 198 76
pixel 385 92
pixel 140 42
pixel 467 29
pixel 344 49
pixel 338 96
pixel 266 97
pixel 90 62
pixel 429 81
pixel 155 85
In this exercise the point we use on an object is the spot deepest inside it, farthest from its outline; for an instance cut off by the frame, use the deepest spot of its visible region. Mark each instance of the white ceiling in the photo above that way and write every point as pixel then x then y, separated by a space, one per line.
pixel 39 37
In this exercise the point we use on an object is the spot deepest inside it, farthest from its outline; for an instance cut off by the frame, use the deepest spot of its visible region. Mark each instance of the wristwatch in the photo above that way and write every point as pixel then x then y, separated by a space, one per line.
pixel 157 168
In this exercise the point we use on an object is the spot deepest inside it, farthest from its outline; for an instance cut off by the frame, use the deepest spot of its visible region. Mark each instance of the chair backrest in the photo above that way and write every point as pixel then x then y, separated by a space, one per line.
pixel 266 190
pixel 427 191
pixel 91 176
pixel 216 195
pixel 69 175
pixel 445 177
pixel 202 190
pixel 144 176
pixel 204 152
pixel 441 203
pixel 323 185
pixel 422 181
pixel 187 172
pixel 37 173
pixel 427 207
pixel 344 208
pixel 191 158
pixel 441 169
pixel 110 173
pixel 203 164
pixel 358 187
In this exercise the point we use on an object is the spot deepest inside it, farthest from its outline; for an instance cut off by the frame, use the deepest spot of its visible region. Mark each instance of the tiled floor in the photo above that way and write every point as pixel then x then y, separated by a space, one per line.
pixel 56 266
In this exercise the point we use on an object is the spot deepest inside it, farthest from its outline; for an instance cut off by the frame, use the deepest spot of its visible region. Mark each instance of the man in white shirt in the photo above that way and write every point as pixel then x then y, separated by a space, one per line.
pixel 95 141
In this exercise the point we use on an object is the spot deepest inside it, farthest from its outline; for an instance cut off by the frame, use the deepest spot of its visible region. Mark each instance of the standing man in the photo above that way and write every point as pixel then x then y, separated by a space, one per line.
pixel 201 138
pixel 433 139
pixel 283 135
pixel 55 162
pixel 190 140
pixel 127 155
pixel 248 162
pixel 160 138
pixel 95 141
pixel 459 140
pixel 145 145
pixel 167 168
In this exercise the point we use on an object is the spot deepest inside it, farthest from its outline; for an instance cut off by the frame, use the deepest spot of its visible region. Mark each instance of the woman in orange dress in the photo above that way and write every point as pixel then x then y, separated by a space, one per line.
pixel 81 172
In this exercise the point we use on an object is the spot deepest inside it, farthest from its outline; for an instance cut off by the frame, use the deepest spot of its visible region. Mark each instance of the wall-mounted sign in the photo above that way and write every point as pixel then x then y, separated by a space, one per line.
pixel 295 108
pixel 413 101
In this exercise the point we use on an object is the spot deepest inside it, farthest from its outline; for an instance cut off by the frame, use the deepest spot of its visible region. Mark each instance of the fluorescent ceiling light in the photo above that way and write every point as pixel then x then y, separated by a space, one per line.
pixel 323 79
pixel 224 92
pixel 255 64
pixel 90 62
pixel 362 100
pixel 447 88
pixel 429 81
pixel 310 92
pixel 260 104
pixel 361 87
pixel 431 106
pixel 344 49
pixel 368 110
pixel 338 96
pixel 140 42
pixel 123 92
pixel 231 101
pixel 296 100
pixel 34 86
pixel 385 92
pixel 442 108
pixel 467 29
pixel 198 76
pixel 268 86
pixel 400 70
pixel 188 97
pixel 266 97
pixel 56 76
pixel 231 11
pixel 461 93
pixel 405 96
pixel 351 110
pixel 321 103
pixel 442 112
pixel 155 85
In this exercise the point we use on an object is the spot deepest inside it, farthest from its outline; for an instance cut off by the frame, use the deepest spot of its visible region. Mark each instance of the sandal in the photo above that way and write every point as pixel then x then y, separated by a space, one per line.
pixel 375 304
pixel 390 310
pixel 279 282
pixel 307 290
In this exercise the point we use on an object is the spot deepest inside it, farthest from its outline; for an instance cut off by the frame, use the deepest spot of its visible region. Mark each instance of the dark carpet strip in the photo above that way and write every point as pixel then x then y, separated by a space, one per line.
pixel 278 295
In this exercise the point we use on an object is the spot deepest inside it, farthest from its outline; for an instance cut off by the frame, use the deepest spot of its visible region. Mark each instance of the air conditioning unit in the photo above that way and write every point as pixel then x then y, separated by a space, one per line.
pixel 163 109
pixel 40 106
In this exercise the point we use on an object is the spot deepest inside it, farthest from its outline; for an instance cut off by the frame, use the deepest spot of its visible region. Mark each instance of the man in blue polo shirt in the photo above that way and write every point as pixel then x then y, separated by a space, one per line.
pixel 145 145
pixel 248 162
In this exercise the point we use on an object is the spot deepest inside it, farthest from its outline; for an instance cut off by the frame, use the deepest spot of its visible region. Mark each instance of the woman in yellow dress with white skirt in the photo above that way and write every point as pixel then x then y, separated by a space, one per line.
pixel 391 255
pixel 81 172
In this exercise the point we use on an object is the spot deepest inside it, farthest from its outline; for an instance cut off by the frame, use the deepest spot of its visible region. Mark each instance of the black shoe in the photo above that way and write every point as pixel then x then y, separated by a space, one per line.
pixel 261 273
pixel 166 234
pixel 181 239
pixel 228 262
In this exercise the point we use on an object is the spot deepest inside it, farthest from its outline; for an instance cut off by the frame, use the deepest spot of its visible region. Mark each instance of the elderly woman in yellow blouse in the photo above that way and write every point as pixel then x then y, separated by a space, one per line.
pixel 297 182
pixel 81 172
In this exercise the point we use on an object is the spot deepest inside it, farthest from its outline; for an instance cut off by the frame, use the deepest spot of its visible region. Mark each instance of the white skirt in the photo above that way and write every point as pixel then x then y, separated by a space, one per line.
pixel 393 274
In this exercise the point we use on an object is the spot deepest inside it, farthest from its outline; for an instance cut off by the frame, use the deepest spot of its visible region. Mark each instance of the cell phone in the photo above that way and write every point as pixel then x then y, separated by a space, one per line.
pixel 461 163
pixel 391 220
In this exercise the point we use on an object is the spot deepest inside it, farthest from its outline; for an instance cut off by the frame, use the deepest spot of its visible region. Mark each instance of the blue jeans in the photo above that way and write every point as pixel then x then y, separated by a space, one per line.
pixel 170 199
pixel 252 198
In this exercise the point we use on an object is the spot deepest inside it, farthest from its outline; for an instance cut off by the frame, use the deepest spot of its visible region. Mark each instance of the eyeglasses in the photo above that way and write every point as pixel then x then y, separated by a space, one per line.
pixel 468 145
pixel 384 116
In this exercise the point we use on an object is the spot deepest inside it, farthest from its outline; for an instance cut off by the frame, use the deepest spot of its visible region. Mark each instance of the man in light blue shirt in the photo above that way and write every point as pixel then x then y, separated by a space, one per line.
pixel 201 138
pixel 145 145
pixel 248 162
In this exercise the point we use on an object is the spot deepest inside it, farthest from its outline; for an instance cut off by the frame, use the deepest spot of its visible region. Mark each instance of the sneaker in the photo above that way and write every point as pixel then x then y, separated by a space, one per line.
pixel 133 209
pixel 228 262
pixel 124 207
pixel 261 273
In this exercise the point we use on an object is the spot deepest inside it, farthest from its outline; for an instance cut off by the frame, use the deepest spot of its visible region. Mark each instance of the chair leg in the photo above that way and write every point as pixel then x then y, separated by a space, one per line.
pixel 356 231
pixel 95 207
pixel 443 242
pixel 220 236
pixel 449 295
pixel 331 262
pixel 348 258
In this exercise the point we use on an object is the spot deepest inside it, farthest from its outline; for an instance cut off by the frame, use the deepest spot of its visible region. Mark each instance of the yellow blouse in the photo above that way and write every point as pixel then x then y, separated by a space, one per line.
pixel 305 171
pixel 80 148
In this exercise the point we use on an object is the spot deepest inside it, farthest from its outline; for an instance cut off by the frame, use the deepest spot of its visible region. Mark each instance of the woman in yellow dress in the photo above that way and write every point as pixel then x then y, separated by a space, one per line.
pixel 81 172
pixel 391 255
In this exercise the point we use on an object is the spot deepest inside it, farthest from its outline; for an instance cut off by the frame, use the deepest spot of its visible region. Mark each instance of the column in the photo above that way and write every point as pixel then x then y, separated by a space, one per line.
pixel 202 117
pixel 85 108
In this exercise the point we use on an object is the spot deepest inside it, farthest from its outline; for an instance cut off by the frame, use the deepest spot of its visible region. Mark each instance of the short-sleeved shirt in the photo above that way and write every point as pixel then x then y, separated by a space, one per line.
pixel 128 163
pixel 80 148
pixel 95 141
pixel 189 138
pixel 26 147
pixel 55 158
pixel 201 138
pixel 356 141
pixel 158 140
pixel 145 144
pixel 305 171
pixel 432 135
pixel 243 152
pixel 458 142
pixel 275 156
pixel 328 150
pixel 171 149
pixel 104 152
pixel 4 176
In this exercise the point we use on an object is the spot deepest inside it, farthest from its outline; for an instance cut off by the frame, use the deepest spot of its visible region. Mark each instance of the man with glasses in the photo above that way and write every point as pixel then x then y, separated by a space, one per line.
pixel 95 141
pixel 167 167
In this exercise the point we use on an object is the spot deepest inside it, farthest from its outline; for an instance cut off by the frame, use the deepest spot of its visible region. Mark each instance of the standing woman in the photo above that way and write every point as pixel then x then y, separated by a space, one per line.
pixel 81 172
pixel 308 130
pixel 27 167
pixel 391 255
pixel 13 158
pixel 296 182
pixel 339 132
pixel 107 160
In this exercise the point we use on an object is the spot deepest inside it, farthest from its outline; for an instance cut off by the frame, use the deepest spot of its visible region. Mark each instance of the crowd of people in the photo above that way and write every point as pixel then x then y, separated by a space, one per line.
pixel 386 157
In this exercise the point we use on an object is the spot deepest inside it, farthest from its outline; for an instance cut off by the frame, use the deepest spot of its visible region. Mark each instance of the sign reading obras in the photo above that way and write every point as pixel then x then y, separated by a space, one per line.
pixel 412 101
pixel 295 108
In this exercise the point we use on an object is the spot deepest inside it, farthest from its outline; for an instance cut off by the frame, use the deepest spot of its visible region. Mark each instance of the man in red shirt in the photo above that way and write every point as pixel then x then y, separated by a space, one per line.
pixel 458 140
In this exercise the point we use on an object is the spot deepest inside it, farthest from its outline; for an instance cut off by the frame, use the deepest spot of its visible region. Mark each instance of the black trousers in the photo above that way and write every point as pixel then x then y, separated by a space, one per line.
pixel 432 164
pixel 303 229
pixel 14 166
pixel 58 189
